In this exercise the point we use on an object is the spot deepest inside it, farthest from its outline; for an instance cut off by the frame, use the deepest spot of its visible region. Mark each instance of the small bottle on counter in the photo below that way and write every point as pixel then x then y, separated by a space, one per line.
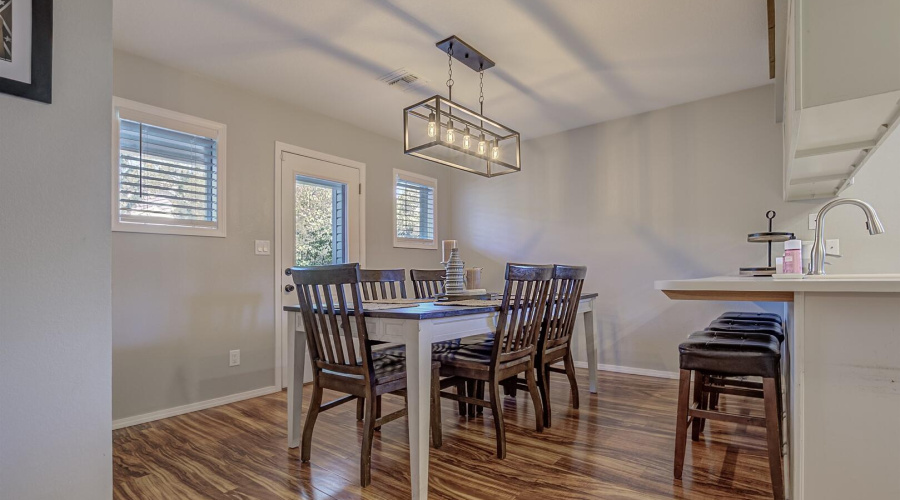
pixel 779 265
pixel 793 257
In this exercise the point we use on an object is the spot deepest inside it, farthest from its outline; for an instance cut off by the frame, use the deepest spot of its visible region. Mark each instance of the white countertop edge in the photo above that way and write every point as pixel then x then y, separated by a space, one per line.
pixel 742 284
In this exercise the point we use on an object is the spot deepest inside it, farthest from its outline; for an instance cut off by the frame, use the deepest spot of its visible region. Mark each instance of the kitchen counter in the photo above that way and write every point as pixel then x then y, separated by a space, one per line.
pixel 841 362
pixel 886 283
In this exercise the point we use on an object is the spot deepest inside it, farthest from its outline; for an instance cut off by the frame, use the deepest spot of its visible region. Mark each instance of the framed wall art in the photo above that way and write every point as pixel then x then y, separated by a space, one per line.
pixel 26 48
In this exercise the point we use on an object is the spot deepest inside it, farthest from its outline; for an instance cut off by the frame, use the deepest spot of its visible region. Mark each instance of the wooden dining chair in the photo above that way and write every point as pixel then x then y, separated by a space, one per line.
pixel 382 283
pixel 555 340
pixel 379 284
pixel 510 352
pixel 427 283
pixel 345 362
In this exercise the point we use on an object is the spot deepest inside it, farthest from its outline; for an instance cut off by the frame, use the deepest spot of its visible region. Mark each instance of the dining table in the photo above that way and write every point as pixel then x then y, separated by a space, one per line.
pixel 418 325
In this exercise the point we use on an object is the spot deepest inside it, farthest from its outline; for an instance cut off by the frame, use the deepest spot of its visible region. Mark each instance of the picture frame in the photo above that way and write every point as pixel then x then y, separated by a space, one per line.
pixel 26 49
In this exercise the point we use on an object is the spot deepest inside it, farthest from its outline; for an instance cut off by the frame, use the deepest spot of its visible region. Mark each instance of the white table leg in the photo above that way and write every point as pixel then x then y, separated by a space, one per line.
pixel 297 360
pixel 418 380
pixel 590 334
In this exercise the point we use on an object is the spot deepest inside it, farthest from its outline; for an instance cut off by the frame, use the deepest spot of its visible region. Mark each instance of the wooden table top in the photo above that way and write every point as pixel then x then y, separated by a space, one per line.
pixel 429 310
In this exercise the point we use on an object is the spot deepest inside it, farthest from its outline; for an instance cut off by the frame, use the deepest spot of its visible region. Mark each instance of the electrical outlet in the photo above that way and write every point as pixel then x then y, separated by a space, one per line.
pixel 812 221
pixel 234 357
pixel 262 247
pixel 833 247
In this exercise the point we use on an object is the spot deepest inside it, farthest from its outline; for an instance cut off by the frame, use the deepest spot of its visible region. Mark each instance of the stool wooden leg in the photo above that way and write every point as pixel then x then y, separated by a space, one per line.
pixel 773 436
pixel 713 400
pixel 696 423
pixel 684 391
pixel 706 402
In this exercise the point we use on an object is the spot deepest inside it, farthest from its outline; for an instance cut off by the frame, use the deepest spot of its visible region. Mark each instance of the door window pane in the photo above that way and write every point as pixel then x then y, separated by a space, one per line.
pixel 320 222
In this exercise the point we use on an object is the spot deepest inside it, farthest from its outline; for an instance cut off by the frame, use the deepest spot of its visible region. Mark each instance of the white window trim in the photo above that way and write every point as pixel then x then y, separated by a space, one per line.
pixel 424 180
pixel 177 121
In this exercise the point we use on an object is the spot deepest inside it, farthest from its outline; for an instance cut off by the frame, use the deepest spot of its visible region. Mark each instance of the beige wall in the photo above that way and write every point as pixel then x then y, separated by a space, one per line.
pixel 666 194
pixel 180 303
pixel 55 271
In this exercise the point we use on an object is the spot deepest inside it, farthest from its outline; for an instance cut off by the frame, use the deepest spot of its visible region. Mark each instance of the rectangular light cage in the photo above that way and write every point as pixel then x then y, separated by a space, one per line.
pixel 442 131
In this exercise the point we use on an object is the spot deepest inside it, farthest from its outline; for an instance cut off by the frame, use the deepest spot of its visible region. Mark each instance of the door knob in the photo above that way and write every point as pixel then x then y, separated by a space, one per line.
pixel 287 271
pixel 288 288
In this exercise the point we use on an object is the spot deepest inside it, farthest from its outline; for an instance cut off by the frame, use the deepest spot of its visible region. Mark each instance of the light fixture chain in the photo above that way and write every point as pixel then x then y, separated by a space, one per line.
pixel 481 95
pixel 450 72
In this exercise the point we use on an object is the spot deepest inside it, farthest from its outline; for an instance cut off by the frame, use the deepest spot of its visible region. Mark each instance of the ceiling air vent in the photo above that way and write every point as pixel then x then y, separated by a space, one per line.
pixel 403 80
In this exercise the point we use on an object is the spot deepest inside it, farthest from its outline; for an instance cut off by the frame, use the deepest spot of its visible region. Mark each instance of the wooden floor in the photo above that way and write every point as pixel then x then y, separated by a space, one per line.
pixel 619 445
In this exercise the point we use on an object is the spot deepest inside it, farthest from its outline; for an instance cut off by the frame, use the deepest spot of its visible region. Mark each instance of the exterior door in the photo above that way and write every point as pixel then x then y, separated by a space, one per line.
pixel 321 224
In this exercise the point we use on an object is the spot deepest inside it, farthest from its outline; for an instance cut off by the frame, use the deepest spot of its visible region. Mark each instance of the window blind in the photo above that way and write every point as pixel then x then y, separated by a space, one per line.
pixel 166 176
pixel 415 210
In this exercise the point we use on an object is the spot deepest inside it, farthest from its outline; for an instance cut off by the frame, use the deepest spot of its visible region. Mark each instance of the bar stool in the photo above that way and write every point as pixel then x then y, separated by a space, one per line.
pixel 735 325
pixel 753 354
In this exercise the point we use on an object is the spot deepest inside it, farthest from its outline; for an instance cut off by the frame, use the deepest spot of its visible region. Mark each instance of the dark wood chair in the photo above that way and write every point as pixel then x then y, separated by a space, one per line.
pixel 427 283
pixel 344 362
pixel 510 352
pixel 382 283
pixel 555 341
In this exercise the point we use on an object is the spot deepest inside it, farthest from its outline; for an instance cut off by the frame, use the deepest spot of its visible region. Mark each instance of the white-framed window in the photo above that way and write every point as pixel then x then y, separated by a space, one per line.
pixel 168 172
pixel 415 210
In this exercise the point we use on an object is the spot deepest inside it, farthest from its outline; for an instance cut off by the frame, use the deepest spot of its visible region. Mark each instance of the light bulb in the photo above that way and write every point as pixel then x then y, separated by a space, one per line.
pixel 432 126
pixel 495 151
pixel 451 133
pixel 482 145
pixel 466 139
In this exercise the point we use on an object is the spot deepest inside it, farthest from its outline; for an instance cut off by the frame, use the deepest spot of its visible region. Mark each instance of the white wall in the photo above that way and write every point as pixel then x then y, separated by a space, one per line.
pixel 666 194
pixel 55 270
pixel 180 303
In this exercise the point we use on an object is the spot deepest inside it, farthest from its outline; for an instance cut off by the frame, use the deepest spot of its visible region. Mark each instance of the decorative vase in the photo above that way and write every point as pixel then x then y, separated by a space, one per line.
pixel 455 279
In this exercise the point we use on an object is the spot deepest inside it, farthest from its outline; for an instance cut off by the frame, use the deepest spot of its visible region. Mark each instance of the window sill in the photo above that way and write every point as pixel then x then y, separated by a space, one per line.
pixel 137 227
pixel 417 245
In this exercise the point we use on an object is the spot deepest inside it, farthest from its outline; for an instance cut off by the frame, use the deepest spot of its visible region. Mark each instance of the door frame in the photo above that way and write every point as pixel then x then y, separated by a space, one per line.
pixel 280 149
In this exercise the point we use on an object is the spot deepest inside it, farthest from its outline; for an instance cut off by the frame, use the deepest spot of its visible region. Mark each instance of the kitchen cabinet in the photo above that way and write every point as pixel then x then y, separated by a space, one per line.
pixel 840 89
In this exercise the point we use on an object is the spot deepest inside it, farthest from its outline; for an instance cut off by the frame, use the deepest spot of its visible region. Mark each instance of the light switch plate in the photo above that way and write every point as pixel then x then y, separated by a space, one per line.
pixel 812 221
pixel 263 247
pixel 833 247
pixel 234 357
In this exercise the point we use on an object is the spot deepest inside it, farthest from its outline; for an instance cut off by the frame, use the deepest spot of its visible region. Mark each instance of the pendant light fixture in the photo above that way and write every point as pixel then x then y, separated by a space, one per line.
pixel 443 131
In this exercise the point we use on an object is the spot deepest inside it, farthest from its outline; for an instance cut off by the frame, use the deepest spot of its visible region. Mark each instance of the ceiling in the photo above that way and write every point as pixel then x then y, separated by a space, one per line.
pixel 561 64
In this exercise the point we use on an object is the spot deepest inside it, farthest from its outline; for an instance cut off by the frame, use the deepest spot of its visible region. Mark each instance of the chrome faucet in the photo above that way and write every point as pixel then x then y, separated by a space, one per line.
pixel 817 260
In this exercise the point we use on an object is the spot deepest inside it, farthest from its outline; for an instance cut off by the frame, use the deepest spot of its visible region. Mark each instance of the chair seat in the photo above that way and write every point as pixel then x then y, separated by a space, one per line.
pixel 731 326
pixel 389 365
pixel 752 355
pixel 436 348
pixel 751 316
pixel 477 339
pixel 473 356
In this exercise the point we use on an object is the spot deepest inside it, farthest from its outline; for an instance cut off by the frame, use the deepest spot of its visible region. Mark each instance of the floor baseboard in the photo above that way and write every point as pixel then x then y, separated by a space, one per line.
pixel 201 405
pixel 631 370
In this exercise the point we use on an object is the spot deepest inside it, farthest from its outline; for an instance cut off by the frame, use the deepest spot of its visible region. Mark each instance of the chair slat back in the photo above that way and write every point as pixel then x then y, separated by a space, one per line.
pixel 562 306
pixel 521 311
pixel 382 283
pixel 326 293
pixel 427 283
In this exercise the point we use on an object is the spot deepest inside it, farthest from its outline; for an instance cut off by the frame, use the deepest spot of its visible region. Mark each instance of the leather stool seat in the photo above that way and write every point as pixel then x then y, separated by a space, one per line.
pixel 751 316
pixel 755 354
pixel 732 326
